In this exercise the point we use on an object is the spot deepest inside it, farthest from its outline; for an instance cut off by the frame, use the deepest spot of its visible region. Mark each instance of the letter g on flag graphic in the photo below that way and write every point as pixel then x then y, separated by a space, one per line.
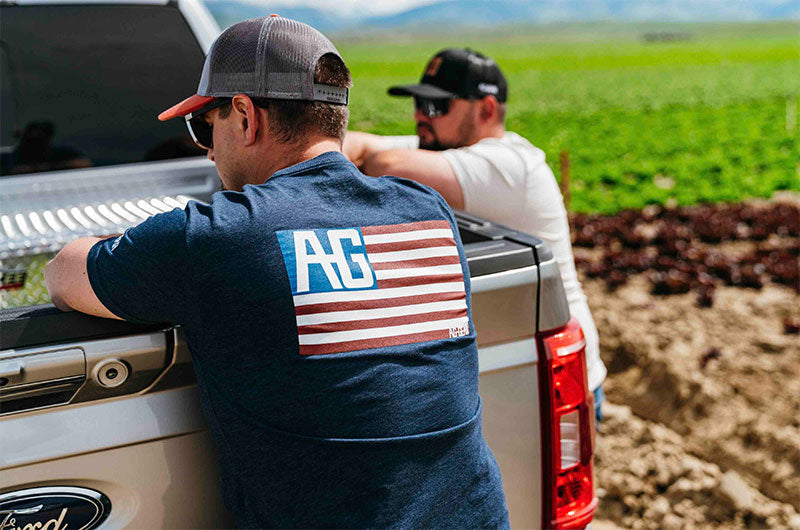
pixel 374 286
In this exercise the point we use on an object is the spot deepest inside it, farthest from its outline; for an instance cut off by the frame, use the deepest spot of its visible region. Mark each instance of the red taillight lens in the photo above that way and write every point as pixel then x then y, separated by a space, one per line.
pixel 568 436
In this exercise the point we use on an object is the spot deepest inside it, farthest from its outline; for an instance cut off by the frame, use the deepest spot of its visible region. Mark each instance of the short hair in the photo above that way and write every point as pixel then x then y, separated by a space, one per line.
pixel 292 120
pixel 501 113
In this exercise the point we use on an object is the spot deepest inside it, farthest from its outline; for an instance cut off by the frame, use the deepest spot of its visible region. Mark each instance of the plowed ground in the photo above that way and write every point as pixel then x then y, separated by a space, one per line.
pixel 702 426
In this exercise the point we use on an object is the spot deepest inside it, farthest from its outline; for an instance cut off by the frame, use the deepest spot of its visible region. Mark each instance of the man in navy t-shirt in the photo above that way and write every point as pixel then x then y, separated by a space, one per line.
pixel 327 312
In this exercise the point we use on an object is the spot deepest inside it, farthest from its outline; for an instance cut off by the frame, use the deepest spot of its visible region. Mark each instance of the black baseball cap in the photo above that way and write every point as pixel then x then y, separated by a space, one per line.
pixel 458 73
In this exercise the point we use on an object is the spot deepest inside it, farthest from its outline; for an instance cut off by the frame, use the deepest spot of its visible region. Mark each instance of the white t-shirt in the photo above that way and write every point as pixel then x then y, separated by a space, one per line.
pixel 506 180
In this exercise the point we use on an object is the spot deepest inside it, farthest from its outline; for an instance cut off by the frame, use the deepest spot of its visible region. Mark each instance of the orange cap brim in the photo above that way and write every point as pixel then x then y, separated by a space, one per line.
pixel 190 104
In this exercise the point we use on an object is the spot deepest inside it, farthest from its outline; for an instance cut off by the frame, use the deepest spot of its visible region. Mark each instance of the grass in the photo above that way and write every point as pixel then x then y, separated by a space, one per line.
pixel 711 118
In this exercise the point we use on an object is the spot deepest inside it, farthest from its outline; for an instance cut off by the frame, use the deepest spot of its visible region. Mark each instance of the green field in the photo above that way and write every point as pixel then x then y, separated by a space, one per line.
pixel 710 118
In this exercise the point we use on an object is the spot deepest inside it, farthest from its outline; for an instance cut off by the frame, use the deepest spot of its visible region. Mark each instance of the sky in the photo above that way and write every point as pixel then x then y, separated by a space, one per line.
pixel 644 9
pixel 349 7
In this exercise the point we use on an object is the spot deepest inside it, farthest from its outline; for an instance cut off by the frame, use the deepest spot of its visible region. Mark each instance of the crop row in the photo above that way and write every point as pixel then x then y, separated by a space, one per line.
pixel 686 155
pixel 708 120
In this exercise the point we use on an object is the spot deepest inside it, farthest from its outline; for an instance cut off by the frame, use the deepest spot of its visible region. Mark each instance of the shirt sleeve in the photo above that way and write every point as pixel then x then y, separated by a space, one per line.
pixel 142 275
pixel 400 142
pixel 492 177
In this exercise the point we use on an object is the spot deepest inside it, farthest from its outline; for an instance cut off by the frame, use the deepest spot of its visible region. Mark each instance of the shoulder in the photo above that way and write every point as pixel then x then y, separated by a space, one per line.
pixel 167 224
pixel 405 184
pixel 411 187
pixel 227 216
pixel 419 195
pixel 231 207
pixel 511 154
pixel 509 148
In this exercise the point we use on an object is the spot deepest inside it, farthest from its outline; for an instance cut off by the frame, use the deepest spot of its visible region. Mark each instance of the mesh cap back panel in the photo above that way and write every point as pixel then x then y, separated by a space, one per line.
pixel 270 57
pixel 289 66
pixel 230 67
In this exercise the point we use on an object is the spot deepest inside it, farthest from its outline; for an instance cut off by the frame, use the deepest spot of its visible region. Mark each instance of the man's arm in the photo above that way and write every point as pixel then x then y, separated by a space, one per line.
pixel 141 276
pixel 371 154
pixel 67 280
pixel 358 146
pixel 426 167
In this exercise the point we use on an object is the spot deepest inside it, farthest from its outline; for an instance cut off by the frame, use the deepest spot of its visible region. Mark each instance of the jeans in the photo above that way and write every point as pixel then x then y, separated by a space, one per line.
pixel 599 397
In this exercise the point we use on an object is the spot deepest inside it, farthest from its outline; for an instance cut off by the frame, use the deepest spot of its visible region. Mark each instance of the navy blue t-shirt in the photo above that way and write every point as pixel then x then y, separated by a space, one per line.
pixel 328 316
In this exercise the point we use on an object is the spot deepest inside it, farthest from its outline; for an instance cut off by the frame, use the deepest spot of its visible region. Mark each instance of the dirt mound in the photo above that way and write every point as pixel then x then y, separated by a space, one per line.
pixel 649 480
pixel 714 403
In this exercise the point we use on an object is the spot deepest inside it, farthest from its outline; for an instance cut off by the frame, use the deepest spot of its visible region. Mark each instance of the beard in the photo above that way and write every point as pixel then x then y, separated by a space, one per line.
pixel 466 130
pixel 430 145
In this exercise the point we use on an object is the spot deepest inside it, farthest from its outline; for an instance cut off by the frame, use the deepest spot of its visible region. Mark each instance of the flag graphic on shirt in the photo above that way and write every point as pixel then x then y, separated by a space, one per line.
pixel 374 286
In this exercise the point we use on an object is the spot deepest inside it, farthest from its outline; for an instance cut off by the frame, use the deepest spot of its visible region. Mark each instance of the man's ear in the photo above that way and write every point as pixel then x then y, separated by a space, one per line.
pixel 248 121
pixel 488 109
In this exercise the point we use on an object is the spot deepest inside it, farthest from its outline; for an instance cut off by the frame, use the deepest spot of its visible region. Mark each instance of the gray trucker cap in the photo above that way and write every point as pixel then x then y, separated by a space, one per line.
pixel 268 57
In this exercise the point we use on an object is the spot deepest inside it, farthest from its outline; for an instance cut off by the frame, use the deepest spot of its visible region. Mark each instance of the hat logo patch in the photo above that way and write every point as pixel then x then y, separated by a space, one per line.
pixel 433 66
pixel 488 88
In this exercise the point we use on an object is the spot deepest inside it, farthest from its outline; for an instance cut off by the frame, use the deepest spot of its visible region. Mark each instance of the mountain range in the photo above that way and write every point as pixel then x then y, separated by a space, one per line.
pixel 471 13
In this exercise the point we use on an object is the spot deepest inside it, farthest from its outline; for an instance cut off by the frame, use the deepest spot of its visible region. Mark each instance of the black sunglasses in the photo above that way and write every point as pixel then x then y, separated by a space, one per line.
pixel 203 132
pixel 432 108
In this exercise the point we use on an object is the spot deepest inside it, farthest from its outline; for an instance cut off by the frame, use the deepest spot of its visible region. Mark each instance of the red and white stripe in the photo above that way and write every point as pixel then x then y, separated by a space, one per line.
pixel 420 295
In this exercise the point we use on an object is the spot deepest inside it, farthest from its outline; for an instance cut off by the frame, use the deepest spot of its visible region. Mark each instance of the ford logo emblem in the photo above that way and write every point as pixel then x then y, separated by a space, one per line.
pixel 53 508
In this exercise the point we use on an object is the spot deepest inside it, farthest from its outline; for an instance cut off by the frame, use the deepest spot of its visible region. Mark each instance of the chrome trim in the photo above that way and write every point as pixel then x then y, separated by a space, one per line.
pixel 51 490
pixel 10 393
pixel 154 175
pixel 101 503
pixel 96 219
pixel 202 23
pixel 501 280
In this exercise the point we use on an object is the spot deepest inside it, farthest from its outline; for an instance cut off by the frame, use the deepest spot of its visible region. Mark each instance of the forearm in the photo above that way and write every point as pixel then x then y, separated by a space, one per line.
pixel 56 296
pixel 67 279
pixel 359 147
pixel 426 167
pixel 387 162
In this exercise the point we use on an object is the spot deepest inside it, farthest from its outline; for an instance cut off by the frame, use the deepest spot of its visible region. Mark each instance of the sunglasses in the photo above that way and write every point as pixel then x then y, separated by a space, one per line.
pixel 203 132
pixel 432 108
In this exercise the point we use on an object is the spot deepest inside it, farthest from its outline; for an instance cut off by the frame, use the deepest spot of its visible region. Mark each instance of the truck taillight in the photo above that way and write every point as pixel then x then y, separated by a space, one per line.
pixel 567 429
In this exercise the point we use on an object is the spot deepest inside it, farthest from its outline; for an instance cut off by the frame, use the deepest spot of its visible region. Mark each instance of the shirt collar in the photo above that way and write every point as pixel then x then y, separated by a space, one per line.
pixel 329 158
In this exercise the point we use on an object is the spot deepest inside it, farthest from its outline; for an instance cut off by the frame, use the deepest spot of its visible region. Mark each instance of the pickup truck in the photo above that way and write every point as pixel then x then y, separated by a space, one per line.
pixel 99 420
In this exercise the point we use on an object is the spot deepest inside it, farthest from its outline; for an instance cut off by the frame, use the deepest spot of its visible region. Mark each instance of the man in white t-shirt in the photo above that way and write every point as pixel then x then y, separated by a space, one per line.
pixel 463 151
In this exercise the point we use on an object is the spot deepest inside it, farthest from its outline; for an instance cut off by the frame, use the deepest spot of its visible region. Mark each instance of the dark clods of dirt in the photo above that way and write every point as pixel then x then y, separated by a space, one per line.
pixel 697 248
pixel 703 426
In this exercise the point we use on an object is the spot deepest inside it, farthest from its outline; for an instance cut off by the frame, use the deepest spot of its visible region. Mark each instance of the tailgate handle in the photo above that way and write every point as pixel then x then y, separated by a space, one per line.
pixel 10 369
pixel 40 379
pixel 41 367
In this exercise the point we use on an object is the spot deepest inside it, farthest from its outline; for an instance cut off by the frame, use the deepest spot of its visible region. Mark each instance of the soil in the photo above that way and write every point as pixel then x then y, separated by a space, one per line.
pixel 702 422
